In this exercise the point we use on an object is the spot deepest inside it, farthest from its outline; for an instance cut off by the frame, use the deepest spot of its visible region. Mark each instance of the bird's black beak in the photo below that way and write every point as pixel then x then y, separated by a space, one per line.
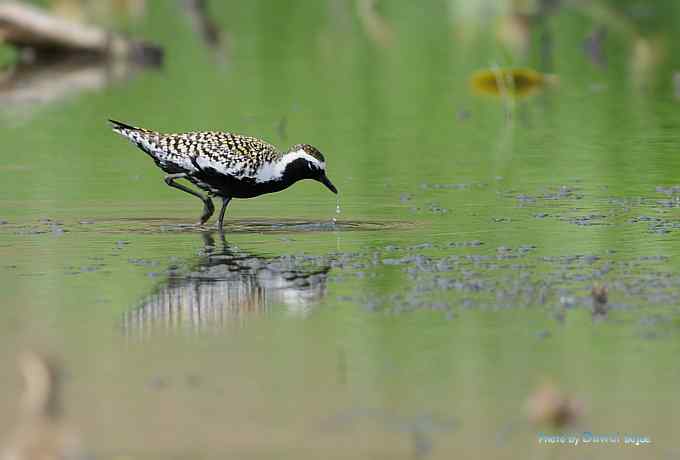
pixel 325 181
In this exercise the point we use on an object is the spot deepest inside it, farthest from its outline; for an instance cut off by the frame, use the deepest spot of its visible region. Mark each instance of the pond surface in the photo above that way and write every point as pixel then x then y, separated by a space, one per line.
pixel 456 279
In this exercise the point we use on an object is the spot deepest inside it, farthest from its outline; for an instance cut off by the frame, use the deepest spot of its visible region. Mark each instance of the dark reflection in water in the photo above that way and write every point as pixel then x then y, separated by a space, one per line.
pixel 208 29
pixel 225 287
pixel 27 87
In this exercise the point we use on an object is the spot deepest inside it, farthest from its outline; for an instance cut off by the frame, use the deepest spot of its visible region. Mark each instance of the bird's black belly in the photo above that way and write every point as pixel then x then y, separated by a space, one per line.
pixel 224 185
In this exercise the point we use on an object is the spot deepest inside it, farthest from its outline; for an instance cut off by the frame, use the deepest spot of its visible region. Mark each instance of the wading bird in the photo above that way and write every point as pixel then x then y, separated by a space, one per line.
pixel 226 165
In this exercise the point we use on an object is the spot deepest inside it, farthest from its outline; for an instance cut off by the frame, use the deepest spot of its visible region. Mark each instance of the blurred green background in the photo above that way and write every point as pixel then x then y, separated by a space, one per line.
pixel 472 229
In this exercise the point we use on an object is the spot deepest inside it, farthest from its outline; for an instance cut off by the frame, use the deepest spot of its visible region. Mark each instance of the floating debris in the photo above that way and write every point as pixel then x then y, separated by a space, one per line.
pixel 599 293
pixel 41 433
pixel 550 406
pixel 516 82
pixel 28 27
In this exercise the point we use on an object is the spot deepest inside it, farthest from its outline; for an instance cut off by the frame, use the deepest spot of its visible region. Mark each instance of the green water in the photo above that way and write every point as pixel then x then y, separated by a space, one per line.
pixel 456 278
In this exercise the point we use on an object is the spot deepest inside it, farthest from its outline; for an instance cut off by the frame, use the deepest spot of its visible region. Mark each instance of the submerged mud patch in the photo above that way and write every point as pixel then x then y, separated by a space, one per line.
pixel 155 225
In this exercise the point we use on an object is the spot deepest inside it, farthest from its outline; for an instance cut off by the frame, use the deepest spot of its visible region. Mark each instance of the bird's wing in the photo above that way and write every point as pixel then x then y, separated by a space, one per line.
pixel 171 152
pixel 234 155
pixel 174 152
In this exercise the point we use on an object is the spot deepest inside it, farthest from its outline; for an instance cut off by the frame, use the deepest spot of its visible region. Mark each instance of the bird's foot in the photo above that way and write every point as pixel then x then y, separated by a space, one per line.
pixel 208 210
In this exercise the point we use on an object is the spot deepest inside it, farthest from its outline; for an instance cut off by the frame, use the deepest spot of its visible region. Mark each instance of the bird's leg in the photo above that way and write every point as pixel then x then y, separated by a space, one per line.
pixel 208 210
pixel 225 203
pixel 208 207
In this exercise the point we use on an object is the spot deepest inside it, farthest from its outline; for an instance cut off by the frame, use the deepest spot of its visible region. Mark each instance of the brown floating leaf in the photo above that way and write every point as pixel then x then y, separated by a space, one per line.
pixel 517 82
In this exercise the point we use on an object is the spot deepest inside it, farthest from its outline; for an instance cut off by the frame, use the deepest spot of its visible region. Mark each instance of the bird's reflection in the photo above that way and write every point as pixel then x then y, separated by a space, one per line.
pixel 227 286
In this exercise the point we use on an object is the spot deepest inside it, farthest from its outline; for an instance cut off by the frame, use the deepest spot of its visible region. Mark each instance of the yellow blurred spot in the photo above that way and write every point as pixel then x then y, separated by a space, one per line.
pixel 549 405
pixel 517 82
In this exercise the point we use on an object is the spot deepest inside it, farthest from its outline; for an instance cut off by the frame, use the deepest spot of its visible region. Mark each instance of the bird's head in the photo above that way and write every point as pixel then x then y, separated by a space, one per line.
pixel 309 163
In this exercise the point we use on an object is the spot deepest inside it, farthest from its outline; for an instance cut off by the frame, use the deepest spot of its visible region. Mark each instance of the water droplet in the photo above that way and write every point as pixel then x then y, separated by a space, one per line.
pixel 337 210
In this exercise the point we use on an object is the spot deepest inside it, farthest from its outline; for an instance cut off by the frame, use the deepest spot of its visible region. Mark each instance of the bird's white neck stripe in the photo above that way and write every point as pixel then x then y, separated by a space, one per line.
pixel 274 171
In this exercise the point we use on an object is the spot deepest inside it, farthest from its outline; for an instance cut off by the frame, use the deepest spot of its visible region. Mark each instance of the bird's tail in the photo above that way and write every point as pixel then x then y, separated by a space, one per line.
pixel 145 139
pixel 125 129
